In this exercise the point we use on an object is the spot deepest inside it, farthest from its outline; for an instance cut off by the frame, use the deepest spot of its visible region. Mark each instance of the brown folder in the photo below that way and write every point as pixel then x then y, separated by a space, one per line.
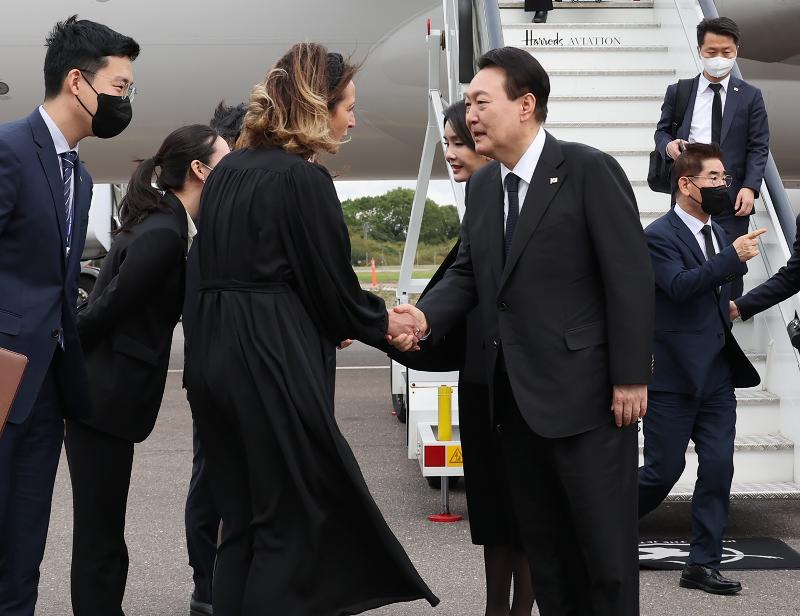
pixel 12 367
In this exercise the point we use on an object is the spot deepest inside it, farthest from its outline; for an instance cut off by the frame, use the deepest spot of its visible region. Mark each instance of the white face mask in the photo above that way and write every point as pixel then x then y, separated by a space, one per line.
pixel 717 66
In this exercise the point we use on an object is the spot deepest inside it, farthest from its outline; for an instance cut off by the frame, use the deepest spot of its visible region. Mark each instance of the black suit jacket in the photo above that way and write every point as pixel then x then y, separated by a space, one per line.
pixel 782 285
pixel 126 327
pixel 745 132
pixel 692 318
pixel 572 308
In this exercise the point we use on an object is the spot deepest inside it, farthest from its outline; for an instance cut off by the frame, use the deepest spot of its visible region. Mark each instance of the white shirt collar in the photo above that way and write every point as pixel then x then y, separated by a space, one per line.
pixel 690 221
pixel 59 140
pixel 191 228
pixel 527 164
pixel 702 86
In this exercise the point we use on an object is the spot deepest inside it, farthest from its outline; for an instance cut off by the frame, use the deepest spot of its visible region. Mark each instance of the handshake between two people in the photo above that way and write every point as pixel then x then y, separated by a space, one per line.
pixel 407 326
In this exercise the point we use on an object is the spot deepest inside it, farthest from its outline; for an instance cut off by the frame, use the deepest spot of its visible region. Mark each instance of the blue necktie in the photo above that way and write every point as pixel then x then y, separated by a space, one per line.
pixel 512 186
pixel 67 166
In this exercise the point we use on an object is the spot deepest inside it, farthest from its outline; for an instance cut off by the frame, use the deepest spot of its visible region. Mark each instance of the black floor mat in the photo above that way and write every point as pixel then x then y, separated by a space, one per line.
pixel 737 554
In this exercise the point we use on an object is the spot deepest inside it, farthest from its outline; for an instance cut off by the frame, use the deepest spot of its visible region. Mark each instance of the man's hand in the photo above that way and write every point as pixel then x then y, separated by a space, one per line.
pixel 344 344
pixel 734 310
pixel 629 404
pixel 744 202
pixel 674 148
pixel 407 324
pixel 747 245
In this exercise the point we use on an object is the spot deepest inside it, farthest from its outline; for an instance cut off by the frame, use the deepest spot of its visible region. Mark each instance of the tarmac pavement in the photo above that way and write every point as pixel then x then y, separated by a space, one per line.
pixel 159 579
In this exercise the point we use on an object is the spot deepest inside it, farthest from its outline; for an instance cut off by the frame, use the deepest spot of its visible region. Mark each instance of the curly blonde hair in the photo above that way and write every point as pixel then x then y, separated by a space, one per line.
pixel 291 108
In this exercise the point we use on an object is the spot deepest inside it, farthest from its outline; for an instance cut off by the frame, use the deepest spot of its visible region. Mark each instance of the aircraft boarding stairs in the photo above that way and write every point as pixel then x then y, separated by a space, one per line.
pixel 609 65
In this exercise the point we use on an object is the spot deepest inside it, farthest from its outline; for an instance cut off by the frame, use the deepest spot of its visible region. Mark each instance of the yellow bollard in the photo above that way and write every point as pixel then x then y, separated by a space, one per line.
pixel 445 431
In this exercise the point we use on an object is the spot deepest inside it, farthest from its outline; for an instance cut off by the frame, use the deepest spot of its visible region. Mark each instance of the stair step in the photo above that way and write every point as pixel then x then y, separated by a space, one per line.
pixel 746 442
pixel 606 97
pixel 566 81
pixel 780 490
pixel 756 458
pixel 572 107
pixel 607 135
pixel 577 25
pixel 581 35
pixel 599 48
pixel 605 4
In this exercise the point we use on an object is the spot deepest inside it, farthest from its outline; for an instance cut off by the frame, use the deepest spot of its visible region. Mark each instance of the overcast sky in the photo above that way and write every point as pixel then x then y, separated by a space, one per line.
pixel 439 190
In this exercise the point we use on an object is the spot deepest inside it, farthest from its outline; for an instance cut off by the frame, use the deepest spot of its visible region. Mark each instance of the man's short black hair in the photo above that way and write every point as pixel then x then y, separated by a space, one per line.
pixel 523 74
pixel 723 26
pixel 690 162
pixel 81 44
pixel 227 121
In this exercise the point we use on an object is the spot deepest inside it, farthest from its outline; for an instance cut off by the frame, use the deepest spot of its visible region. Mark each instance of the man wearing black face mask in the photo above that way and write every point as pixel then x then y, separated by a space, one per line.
pixel 697 363
pixel 45 192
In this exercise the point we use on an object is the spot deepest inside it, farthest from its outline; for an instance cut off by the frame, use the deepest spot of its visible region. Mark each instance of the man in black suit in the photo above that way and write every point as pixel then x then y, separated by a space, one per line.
pixel 45 192
pixel 552 253
pixel 727 111
pixel 697 360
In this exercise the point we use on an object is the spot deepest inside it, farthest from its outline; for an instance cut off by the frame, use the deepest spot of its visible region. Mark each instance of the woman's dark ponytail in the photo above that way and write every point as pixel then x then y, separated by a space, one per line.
pixel 169 167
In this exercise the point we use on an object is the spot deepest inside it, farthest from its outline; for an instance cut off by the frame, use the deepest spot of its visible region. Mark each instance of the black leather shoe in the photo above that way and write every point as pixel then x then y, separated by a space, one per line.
pixel 708 579
pixel 539 17
pixel 198 608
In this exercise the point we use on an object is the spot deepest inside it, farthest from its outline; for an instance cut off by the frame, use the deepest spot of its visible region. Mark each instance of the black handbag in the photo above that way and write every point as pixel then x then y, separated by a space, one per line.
pixel 659 174
pixel 793 329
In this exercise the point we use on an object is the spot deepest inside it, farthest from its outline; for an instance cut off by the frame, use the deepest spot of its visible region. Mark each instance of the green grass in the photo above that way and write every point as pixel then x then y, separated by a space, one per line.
pixel 391 276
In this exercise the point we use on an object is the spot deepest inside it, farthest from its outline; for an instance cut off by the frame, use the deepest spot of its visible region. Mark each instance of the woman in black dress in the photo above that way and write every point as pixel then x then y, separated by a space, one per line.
pixel 491 521
pixel 301 533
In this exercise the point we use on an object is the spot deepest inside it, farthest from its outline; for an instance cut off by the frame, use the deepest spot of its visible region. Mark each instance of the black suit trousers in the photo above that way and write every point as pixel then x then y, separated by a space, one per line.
pixel 202 520
pixel 100 470
pixel 575 503
pixel 538 5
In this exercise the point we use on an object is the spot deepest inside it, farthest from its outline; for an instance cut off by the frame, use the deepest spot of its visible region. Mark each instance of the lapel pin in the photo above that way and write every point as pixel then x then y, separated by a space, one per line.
pixel 735 89
pixel 553 180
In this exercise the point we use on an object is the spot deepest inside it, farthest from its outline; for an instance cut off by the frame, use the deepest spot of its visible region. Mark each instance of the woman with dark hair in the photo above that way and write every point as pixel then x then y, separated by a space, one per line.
pixel 126 334
pixel 491 520
pixel 301 534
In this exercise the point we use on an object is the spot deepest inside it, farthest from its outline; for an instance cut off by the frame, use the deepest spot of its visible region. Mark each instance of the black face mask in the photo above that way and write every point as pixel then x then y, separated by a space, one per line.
pixel 113 114
pixel 716 199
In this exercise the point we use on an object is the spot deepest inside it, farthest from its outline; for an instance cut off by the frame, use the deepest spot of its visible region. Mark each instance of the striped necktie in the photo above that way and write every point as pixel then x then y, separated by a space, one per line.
pixel 67 166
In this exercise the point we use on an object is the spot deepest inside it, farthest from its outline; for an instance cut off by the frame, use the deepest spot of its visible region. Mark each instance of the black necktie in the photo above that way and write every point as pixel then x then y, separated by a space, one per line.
pixel 716 113
pixel 512 186
pixel 706 231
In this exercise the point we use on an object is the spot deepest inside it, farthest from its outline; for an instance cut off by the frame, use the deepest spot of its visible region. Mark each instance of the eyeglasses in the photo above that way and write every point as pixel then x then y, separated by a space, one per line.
pixel 726 179
pixel 128 89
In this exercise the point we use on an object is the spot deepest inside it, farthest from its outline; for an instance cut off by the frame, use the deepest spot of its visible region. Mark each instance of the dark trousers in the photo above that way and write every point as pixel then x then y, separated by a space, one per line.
pixel 100 469
pixel 202 524
pixel 575 503
pixel 710 422
pixel 29 454
pixel 735 226
pixel 538 5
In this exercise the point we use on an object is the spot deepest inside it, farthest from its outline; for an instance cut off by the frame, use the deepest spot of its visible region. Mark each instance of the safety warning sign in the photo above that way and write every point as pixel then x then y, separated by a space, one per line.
pixel 454 456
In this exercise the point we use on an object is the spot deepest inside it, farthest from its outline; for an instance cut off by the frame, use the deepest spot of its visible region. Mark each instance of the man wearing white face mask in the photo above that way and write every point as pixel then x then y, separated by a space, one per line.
pixel 725 110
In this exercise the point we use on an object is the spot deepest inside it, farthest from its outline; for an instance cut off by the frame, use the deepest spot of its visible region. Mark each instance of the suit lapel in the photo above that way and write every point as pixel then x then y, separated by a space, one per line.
pixel 686 236
pixel 686 125
pixel 547 180
pixel 50 166
pixel 493 197
pixel 732 98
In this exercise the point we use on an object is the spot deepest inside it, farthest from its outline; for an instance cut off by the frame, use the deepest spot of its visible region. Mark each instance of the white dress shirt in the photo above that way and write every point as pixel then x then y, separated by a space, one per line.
pixel 191 231
pixel 60 141
pixel 524 170
pixel 700 131
pixel 696 227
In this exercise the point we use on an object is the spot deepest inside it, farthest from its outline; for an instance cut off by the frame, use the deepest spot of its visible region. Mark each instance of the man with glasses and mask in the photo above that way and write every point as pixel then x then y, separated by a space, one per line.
pixel 697 363
pixel 725 110
pixel 45 192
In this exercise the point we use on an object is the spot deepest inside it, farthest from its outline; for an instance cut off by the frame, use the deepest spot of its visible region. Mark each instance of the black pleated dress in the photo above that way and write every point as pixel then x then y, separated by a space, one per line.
pixel 301 533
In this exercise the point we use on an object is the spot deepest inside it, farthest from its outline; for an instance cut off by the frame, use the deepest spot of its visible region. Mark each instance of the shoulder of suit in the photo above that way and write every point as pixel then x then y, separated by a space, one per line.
pixel 572 150
pixel 660 226
pixel 14 132
pixel 484 172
